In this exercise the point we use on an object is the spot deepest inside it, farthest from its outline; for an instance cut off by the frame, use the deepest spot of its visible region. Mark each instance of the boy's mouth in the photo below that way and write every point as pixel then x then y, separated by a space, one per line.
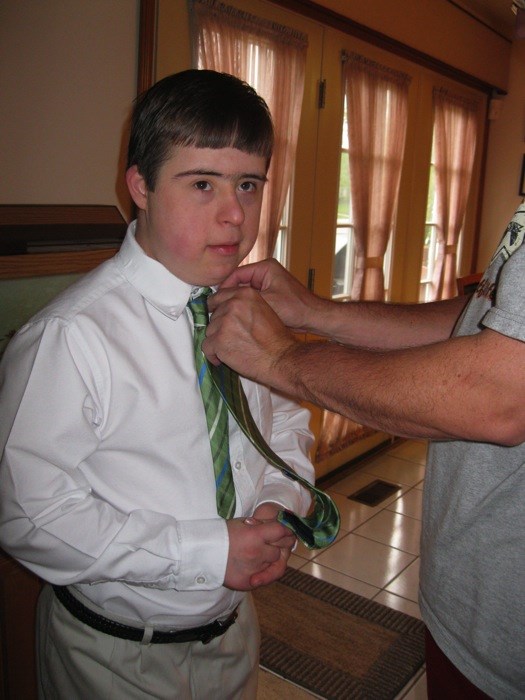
pixel 225 249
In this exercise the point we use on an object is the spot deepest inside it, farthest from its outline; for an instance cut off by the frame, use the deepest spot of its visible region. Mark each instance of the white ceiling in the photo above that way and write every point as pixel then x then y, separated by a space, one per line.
pixel 497 14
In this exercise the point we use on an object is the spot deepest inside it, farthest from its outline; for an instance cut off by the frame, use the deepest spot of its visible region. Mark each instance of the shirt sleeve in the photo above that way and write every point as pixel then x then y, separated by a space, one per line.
pixel 50 519
pixel 291 439
pixel 507 316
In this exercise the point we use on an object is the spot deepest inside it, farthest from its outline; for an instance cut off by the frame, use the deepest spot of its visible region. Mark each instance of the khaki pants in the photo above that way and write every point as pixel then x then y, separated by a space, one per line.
pixel 76 662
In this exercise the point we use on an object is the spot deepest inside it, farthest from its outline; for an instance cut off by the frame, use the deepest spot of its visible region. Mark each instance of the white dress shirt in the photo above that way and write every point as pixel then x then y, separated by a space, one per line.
pixel 106 477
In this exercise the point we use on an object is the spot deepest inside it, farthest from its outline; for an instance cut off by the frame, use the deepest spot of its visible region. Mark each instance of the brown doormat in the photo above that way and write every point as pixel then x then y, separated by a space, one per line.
pixel 334 643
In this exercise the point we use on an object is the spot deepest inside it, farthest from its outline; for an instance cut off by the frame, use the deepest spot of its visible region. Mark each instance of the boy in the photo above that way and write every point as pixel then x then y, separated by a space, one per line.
pixel 107 475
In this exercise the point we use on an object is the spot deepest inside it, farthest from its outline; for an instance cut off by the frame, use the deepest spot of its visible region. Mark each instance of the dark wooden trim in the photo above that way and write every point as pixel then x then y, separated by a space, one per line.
pixel 43 264
pixel 58 239
pixel 344 24
pixel 147 45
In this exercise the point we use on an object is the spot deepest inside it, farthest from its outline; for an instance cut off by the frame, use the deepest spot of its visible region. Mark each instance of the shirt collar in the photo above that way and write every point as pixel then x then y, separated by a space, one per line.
pixel 151 279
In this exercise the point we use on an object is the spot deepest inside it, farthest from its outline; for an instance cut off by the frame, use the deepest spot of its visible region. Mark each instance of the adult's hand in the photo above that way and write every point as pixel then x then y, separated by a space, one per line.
pixel 365 324
pixel 254 547
pixel 247 335
pixel 295 305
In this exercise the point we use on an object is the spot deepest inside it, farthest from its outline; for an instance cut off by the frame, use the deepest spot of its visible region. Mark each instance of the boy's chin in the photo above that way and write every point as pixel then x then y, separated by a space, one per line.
pixel 214 279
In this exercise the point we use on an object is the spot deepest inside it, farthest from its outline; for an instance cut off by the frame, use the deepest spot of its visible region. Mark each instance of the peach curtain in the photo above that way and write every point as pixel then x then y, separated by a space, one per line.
pixel 377 107
pixel 271 58
pixel 455 133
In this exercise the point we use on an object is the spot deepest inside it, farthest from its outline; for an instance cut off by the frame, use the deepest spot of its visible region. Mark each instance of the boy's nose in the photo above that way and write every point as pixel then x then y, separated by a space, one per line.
pixel 231 210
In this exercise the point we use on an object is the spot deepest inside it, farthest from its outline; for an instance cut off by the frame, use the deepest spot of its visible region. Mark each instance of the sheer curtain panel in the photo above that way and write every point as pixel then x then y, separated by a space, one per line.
pixel 455 134
pixel 377 99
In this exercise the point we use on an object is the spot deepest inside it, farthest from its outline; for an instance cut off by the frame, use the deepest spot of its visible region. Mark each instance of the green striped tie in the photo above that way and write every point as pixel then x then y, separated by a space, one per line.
pixel 317 530
pixel 216 414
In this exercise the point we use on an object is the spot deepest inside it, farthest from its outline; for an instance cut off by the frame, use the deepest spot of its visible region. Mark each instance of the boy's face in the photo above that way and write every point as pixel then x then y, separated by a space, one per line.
pixel 202 219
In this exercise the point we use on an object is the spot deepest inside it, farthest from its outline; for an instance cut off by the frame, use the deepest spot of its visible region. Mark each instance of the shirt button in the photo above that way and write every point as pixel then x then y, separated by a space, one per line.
pixel 201 579
pixel 237 465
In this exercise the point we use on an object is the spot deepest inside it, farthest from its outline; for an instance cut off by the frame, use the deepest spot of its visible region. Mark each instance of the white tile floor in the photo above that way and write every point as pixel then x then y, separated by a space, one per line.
pixel 376 553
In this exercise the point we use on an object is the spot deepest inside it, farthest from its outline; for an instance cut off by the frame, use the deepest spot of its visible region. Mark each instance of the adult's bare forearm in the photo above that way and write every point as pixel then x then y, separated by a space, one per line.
pixel 355 384
pixel 428 392
pixel 384 326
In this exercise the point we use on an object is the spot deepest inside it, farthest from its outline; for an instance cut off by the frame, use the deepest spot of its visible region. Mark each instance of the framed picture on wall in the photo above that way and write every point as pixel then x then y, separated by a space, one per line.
pixel 522 178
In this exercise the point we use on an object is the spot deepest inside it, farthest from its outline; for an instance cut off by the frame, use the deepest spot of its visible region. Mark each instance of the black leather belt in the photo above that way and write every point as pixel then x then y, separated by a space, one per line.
pixel 202 634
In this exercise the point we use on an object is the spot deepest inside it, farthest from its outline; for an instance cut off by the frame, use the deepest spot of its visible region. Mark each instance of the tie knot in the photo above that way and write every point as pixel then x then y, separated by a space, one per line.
pixel 199 307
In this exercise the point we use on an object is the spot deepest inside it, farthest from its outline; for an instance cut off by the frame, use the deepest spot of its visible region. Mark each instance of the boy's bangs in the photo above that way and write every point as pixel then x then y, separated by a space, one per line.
pixel 234 135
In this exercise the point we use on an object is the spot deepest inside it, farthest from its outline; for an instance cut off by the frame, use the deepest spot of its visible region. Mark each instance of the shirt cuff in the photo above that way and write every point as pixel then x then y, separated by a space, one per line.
pixel 204 546
pixel 296 499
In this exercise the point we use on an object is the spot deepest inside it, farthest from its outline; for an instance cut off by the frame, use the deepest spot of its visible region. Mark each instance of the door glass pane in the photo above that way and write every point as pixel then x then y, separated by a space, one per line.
pixel 343 270
pixel 280 252
pixel 343 267
pixel 430 241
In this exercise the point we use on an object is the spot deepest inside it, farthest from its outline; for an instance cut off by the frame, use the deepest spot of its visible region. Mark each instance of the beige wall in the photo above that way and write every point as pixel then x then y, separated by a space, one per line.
pixel 505 155
pixel 67 80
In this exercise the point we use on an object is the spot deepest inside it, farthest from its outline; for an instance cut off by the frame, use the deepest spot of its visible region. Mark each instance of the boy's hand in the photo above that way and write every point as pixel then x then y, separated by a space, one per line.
pixel 268 512
pixel 255 547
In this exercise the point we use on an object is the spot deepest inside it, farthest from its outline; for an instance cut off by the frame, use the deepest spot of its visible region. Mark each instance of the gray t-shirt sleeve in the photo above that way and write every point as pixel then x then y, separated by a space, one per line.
pixel 507 316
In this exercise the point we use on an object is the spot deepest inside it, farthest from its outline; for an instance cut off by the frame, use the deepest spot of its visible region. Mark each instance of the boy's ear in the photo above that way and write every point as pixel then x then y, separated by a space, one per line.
pixel 137 187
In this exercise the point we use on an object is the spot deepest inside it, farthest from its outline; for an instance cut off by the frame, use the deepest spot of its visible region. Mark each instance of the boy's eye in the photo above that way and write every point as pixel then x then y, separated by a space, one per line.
pixel 248 186
pixel 202 185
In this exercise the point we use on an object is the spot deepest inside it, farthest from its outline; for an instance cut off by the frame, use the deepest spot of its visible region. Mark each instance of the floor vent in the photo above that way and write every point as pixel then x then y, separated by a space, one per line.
pixel 374 493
